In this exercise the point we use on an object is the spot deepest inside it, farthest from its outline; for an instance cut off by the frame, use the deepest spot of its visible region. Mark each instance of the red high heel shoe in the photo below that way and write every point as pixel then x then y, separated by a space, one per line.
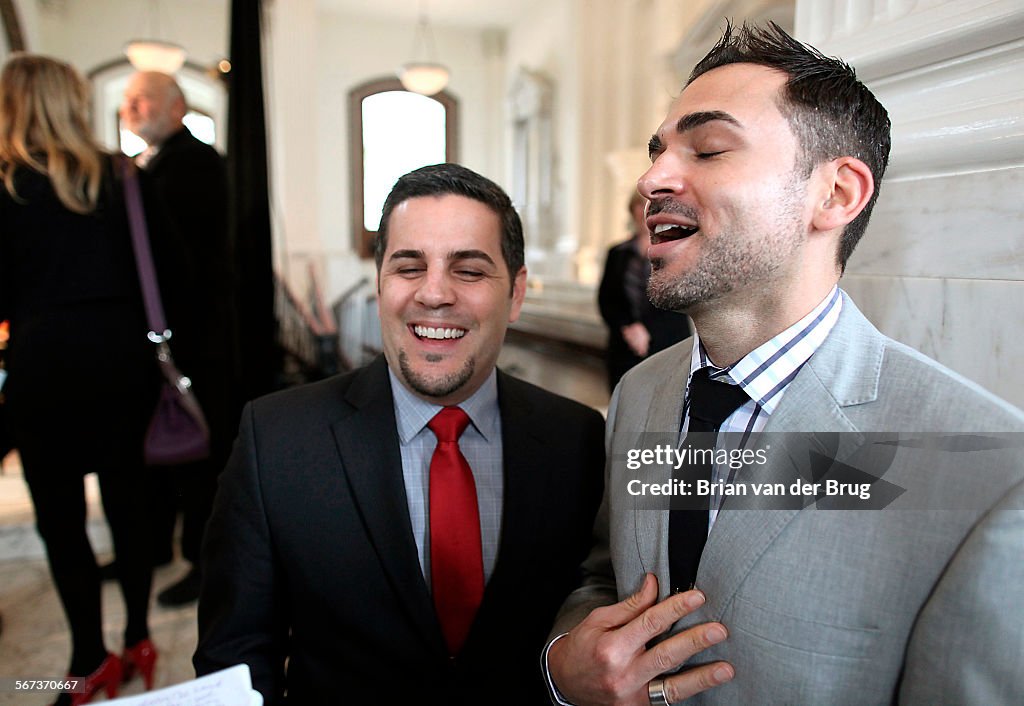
pixel 140 658
pixel 107 676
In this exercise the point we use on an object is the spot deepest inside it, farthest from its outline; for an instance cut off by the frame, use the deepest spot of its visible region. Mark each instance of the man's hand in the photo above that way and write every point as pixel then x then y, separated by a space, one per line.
pixel 638 338
pixel 604 660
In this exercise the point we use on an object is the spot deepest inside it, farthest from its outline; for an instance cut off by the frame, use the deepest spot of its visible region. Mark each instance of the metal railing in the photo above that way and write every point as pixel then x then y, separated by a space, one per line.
pixel 309 340
pixel 358 326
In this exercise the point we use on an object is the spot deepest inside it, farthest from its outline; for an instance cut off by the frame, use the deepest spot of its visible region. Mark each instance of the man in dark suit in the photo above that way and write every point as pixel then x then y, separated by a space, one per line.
pixel 341 543
pixel 636 328
pixel 188 180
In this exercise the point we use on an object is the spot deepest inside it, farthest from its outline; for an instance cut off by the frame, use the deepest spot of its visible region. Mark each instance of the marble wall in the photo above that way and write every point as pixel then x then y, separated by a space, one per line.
pixel 941 267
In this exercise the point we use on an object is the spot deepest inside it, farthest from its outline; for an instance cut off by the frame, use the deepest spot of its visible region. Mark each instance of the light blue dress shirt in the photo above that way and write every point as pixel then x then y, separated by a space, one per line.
pixel 480 444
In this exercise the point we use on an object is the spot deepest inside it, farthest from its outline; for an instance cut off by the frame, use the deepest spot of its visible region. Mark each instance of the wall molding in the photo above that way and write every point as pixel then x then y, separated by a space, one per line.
pixel 964 114
pixel 948 71
pixel 901 36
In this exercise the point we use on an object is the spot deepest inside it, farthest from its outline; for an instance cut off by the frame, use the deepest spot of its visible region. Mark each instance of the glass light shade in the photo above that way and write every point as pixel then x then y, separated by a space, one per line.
pixel 155 55
pixel 423 78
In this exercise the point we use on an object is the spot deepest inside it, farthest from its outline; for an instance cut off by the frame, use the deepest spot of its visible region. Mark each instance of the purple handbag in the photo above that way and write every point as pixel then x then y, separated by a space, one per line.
pixel 177 432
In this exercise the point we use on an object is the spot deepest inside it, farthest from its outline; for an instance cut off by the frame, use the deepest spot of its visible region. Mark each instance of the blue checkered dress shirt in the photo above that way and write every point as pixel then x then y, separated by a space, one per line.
pixel 480 444
pixel 764 374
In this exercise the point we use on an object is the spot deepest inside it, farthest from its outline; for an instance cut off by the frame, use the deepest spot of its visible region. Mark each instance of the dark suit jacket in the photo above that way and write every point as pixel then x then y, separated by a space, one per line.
pixel 666 327
pixel 310 555
pixel 189 183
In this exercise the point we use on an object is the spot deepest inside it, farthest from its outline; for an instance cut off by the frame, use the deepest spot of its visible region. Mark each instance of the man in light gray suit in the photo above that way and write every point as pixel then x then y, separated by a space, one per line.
pixel 763 177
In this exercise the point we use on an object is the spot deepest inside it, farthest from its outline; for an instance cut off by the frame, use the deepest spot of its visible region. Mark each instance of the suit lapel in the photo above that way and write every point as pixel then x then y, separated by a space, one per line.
pixel 843 371
pixel 367 441
pixel 662 425
pixel 747 525
pixel 525 478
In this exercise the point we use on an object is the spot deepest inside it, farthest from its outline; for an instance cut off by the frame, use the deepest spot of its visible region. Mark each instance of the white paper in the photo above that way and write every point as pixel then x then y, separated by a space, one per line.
pixel 228 687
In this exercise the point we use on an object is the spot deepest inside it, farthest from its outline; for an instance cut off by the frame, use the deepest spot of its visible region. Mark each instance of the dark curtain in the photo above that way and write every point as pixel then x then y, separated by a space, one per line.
pixel 12 26
pixel 259 357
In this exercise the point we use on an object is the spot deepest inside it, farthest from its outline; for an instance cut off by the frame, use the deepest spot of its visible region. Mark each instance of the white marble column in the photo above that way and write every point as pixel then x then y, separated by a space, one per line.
pixel 942 263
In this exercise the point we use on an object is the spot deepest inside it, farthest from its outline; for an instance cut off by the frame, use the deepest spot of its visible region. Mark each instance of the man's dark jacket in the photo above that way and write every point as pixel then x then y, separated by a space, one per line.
pixel 310 554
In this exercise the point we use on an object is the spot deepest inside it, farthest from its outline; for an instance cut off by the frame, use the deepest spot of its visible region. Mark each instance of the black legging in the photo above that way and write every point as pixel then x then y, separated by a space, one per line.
pixel 58 494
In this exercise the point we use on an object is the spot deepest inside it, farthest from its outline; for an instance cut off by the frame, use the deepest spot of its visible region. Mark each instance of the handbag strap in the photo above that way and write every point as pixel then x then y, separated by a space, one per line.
pixel 158 331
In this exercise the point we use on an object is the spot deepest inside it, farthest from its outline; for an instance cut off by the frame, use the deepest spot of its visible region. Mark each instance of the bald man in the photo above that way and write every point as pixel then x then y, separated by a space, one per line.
pixel 190 197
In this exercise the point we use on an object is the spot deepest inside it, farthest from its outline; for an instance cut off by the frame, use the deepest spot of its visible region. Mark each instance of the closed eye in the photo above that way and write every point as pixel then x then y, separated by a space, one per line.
pixel 709 155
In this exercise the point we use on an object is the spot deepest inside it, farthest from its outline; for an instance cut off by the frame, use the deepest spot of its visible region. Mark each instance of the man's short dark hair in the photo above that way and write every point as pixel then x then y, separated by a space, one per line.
pixel 830 112
pixel 441 179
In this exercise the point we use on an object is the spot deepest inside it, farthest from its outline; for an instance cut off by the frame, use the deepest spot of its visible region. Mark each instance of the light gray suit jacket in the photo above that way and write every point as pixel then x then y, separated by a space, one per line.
pixel 917 603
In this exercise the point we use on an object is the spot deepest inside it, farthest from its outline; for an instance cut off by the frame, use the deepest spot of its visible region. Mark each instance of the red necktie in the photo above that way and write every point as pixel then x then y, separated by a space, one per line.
pixel 456 558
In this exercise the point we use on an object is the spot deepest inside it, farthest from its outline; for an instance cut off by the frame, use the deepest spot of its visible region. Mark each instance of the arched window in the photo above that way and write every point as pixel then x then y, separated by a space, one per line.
pixel 391 132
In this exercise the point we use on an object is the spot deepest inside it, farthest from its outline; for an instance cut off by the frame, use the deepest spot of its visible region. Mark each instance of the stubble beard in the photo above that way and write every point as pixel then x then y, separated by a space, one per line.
pixel 435 386
pixel 730 261
pixel 155 130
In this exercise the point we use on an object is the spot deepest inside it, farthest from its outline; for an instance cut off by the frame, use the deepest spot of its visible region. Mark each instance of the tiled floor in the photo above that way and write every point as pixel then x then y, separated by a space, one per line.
pixel 34 643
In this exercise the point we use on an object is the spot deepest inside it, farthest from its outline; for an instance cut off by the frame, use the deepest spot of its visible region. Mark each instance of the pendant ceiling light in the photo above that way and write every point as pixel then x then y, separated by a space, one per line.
pixel 154 54
pixel 424 76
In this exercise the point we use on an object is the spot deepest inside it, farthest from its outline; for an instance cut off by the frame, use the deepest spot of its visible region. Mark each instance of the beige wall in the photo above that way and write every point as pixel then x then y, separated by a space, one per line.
pixel 317 58
pixel 93 32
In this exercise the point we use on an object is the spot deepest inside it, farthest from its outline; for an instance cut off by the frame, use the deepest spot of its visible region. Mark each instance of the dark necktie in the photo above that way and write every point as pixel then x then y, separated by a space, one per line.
pixel 456 557
pixel 711 403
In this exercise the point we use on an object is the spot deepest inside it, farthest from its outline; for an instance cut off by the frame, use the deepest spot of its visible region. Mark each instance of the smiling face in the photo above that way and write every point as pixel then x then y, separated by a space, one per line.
pixel 445 296
pixel 729 210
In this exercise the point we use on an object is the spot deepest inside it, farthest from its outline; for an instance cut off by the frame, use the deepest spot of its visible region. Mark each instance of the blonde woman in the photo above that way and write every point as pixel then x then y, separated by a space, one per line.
pixel 81 380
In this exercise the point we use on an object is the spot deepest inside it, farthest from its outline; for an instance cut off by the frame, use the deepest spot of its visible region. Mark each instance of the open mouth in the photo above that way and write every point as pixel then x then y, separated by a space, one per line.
pixel 666 232
pixel 438 333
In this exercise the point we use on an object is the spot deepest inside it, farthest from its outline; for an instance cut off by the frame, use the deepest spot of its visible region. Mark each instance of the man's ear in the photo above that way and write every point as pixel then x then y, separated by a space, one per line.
pixel 847 189
pixel 518 294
